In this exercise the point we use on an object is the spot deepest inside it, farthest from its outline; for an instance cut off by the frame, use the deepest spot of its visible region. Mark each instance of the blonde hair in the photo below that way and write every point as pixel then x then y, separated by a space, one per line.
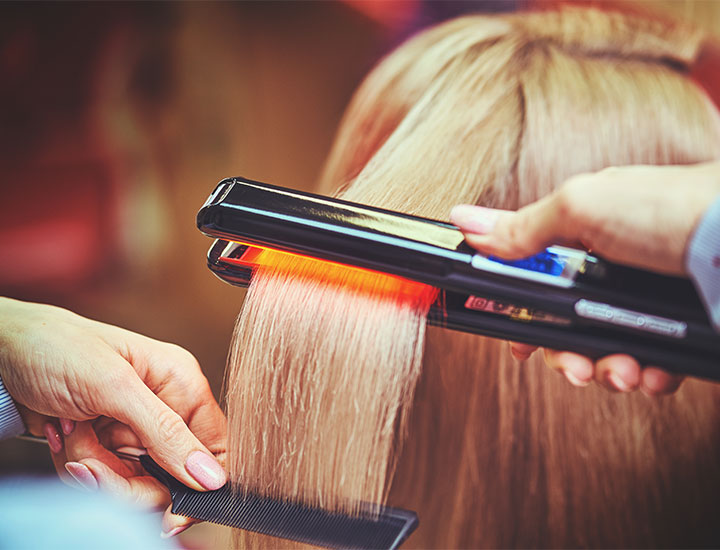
pixel 324 369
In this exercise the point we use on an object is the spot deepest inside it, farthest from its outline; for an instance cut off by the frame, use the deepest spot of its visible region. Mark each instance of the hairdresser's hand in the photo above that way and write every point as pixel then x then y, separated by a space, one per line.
pixel 90 388
pixel 641 216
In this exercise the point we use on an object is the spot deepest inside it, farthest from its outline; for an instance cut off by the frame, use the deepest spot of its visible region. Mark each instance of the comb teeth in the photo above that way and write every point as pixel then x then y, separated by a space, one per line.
pixel 386 529
pixel 375 528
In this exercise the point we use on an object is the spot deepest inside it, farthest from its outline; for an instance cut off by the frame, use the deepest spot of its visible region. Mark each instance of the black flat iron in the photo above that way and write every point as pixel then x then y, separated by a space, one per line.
pixel 562 298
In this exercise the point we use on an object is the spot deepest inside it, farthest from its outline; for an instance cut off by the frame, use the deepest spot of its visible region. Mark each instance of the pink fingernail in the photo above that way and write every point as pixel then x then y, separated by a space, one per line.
pixel 617 382
pixel 206 470
pixel 67 426
pixel 474 219
pixel 173 532
pixel 574 380
pixel 520 356
pixel 82 475
pixel 54 440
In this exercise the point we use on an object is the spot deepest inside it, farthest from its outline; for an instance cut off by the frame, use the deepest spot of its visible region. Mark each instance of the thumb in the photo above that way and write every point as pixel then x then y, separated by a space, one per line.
pixel 511 235
pixel 165 435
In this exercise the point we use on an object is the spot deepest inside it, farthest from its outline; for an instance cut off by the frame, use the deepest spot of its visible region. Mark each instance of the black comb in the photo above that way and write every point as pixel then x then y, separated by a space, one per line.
pixel 376 528
pixel 380 527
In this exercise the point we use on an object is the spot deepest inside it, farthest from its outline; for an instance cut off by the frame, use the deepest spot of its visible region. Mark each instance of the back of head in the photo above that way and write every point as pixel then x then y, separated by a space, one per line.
pixel 469 108
pixel 499 111
pixel 495 110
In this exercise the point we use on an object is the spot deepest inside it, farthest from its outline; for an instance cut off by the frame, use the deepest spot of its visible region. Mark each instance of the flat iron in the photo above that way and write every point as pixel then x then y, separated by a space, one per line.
pixel 562 298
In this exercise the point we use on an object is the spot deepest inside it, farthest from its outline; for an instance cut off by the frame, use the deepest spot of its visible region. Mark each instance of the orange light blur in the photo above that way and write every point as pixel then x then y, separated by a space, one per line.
pixel 358 279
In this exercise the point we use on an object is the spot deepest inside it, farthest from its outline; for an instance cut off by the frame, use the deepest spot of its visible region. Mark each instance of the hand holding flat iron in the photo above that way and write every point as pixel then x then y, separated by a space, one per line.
pixel 641 216
pixel 91 388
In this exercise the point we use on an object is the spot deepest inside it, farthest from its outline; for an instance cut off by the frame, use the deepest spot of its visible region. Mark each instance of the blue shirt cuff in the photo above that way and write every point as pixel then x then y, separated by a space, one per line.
pixel 10 422
pixel 703 261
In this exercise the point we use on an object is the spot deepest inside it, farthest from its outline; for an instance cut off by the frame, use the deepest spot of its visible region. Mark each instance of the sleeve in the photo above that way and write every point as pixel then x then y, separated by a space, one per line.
pixel 703 261
pixel 10 422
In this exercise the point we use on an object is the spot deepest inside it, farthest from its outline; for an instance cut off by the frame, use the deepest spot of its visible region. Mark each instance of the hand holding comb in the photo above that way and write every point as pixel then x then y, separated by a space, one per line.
pixel 375 528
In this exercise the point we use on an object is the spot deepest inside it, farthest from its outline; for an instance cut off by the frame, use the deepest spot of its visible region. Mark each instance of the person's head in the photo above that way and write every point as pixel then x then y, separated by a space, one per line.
pixel 499 111
pixel 502 109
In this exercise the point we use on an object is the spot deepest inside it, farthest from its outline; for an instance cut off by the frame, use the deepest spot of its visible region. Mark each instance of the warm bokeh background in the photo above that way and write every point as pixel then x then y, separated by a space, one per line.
pixel 117 120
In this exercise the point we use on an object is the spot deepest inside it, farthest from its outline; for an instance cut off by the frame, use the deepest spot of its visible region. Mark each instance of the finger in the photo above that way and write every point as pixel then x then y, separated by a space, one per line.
pixel 476 220
pixel 83 443
pixel 166 436
pixel 101 422
pixel 53 437
pixel 175 376
pixel 577 369
pixel 115 435
pixel 59 458
pixel 618 373
pixel 520 351
pixel 82 476
pixel 657 381
pixel 95 467
pixel 66 425
pixel 173 524
pixel 167 391
pixel 93 474
pixel 44 425
pixel 34 422
pixel 514 235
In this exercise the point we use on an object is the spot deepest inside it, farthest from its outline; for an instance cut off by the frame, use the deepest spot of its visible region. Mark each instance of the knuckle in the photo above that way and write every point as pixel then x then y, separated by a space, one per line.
pixel 107 392
pixel 567 195
pixel 170 425
pixel 186 371
pixel 118 377
pixel 518 233
pixel 182 356
pixel 521 236
pixel 572 197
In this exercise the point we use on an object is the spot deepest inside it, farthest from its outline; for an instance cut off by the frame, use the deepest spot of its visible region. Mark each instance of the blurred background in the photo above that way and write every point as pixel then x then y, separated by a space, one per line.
pixel 118 119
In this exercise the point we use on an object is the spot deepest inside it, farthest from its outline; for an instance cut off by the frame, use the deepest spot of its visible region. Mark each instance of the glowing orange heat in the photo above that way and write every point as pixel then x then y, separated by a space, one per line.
pixel 357 279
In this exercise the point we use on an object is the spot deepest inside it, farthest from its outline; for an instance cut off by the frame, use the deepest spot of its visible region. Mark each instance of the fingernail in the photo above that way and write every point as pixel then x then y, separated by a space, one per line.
pixel 647 390
pixel 574 380
pixel 617 382
pixel 53 438
pixel 474 219
pixel 82 475
pixel 206 470
pixel 67 426
pixel 173 532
